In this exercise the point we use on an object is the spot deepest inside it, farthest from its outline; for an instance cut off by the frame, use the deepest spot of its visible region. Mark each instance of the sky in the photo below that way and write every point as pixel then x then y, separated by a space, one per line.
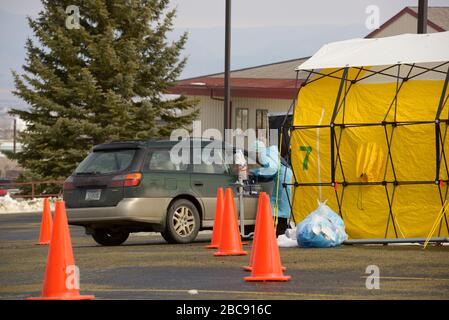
pixel 260 13
pixel 263 31
pixel 271 13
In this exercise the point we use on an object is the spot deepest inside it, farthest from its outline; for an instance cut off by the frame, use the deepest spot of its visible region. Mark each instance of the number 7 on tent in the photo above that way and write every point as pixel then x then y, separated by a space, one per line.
pixel 308 151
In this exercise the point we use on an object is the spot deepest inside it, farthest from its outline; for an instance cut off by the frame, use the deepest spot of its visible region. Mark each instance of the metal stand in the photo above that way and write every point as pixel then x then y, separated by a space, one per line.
pixel 240 189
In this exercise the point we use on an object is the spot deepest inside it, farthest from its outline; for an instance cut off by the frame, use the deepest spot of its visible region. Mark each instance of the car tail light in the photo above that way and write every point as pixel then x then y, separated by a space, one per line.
pixel 133 179
pixel 68 184
pixel 126 180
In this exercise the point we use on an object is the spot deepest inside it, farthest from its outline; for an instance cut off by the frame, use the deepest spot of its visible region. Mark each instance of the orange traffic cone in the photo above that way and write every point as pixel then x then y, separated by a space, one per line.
pixel 46 224
pixel 216 232
pixel 230 242
pixel 61 276
pixel 256 234
pixel 267 261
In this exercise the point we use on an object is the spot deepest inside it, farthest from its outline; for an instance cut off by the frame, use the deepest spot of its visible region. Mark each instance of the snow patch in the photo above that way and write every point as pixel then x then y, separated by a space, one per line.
pixel 11 205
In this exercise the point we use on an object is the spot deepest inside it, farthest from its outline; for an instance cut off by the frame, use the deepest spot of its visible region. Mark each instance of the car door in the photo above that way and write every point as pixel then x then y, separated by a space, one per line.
pixel 254 186
pixel 163 179
pixel 208 173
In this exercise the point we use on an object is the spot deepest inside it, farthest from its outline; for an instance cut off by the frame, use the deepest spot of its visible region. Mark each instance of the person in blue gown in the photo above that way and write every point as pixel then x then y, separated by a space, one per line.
pixel 268 158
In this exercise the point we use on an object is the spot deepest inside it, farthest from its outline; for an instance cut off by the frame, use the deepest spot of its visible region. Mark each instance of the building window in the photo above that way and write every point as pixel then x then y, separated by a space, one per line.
pixel 241 118
pixel 262 123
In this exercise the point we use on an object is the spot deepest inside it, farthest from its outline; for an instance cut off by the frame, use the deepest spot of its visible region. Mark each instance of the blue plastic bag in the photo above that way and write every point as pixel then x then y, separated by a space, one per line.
pixel 323 228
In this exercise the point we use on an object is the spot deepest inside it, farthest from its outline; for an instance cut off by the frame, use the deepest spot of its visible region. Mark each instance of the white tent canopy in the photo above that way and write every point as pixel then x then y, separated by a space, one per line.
pixel 405 48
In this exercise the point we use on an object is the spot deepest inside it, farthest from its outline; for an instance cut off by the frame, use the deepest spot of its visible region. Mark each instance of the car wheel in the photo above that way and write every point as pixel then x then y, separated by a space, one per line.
pixel 183 222
pixel 107 237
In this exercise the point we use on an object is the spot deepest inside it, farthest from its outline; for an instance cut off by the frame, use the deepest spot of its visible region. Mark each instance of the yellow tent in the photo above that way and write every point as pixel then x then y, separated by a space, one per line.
pixel 369 135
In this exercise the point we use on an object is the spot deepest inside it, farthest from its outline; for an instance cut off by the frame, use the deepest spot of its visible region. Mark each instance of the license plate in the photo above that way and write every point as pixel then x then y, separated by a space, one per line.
pixel 93 194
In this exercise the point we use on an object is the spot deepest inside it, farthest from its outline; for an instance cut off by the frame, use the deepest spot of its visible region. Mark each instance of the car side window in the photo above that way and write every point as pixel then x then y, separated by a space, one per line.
pixel 209 161
pixel 251 161
pixel 159 160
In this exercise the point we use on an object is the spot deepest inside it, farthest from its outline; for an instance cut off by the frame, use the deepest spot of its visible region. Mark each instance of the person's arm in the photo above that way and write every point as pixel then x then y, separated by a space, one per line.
pixel 269 167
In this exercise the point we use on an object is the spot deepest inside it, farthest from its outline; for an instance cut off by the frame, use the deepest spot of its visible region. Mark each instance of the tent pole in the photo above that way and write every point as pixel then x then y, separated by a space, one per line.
pixel 334 115
pixel 291 128
pixel 437 126
pixel 443 96
pixel 437 143
pixel 399 240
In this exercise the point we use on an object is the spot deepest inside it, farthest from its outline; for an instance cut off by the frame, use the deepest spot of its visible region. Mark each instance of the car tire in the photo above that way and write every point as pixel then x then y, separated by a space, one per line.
pixel 182 222
pixel 107 237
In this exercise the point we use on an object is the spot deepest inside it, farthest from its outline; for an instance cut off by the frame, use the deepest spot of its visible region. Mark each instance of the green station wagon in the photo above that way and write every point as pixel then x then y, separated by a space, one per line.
pixel 133 186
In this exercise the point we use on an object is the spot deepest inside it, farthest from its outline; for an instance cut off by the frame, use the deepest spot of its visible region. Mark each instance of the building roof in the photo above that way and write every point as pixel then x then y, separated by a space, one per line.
pixel 274 80
pixel 277 70
pixel 277 80
pixel 437 18
pixel 241 87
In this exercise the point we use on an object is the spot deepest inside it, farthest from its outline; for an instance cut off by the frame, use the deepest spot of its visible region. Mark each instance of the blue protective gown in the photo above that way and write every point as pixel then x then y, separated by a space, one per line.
pixel 269 159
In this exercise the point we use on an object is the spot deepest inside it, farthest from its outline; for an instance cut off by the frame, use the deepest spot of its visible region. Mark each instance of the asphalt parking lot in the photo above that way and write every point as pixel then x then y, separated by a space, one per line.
pixel 146 267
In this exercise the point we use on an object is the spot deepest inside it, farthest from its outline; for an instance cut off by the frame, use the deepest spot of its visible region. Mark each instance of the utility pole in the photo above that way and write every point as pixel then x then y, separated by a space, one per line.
pixel 227 89
pixel 14 135
pixel 422 16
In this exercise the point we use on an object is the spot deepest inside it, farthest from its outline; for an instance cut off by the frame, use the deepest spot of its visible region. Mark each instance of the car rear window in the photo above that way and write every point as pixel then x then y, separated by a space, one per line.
pixel 106 161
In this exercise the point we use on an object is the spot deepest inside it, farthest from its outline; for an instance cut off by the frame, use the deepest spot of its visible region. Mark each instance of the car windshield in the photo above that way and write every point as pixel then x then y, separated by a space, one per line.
pixel 108 161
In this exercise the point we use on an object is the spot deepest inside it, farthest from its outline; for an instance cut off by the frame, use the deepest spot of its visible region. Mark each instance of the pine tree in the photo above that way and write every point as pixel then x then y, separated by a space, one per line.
pixel 100 82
